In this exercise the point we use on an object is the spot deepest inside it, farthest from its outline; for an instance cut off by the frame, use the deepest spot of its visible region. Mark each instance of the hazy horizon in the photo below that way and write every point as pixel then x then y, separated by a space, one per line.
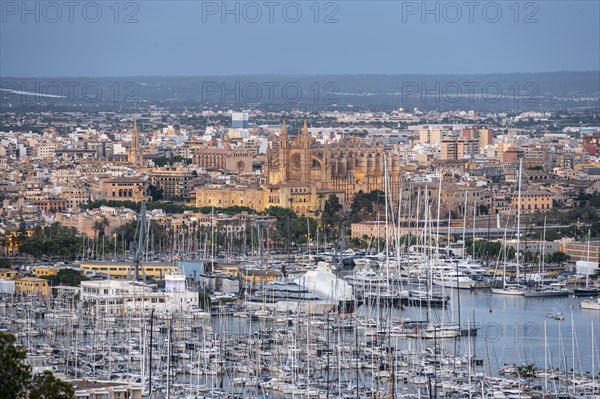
pixel 297 74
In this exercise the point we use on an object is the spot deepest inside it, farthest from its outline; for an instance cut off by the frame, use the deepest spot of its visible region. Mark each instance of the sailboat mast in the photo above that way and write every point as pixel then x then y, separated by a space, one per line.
pixel 387 238
pixel 464 251
pixel 439 205
pixel 518 258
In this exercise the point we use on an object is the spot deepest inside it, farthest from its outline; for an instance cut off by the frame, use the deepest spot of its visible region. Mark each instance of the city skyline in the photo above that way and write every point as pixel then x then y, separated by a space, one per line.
pixel 317 199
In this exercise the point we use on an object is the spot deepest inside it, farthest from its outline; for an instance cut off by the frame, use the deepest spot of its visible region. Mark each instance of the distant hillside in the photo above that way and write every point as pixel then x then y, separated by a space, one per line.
pixel 496 92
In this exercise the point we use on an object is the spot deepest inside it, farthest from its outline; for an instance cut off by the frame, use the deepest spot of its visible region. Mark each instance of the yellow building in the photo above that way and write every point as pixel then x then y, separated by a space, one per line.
pixel 222 197
pixel 259 276
pixel 431 136
pixel 118 270
pixel 371 229
pixel 532 201
pixel 32 285
pixel 486 137
pixel 8 274
pixel 583 251
pixel 250 276
pixel 43 271
pixel 232 270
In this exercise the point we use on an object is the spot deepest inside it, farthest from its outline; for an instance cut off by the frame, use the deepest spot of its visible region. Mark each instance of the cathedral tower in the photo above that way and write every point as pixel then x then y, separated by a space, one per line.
pixel 135 155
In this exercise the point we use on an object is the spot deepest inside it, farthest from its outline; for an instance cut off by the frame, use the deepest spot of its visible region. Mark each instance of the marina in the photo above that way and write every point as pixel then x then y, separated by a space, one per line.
pixel 450 343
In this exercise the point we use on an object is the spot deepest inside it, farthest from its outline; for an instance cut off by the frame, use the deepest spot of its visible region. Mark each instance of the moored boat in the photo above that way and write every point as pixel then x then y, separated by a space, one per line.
pixel 592 304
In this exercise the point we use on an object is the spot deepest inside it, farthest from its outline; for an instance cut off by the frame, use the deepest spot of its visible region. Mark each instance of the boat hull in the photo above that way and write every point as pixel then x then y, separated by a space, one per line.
pixel 502 291
pixel 396 302
pixel 461 285
pixel 586 291
pixel 545 294
pixel 311 307
pixel 423 302
pixel 591 305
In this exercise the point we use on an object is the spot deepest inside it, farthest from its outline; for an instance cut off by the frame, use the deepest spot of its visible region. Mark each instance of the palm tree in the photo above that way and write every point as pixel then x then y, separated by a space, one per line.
pixel 526 372
pixel 100 226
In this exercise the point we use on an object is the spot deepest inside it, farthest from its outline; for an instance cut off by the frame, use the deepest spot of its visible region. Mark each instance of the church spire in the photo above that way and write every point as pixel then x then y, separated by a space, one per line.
pixel 305 137
pixel 135 155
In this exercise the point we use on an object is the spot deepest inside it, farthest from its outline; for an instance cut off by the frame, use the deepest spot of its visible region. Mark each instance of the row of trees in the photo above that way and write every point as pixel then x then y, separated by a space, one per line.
pixel 163 161
pixel 495 250
pixel 67 277
pixel 53 240
pixel 167 206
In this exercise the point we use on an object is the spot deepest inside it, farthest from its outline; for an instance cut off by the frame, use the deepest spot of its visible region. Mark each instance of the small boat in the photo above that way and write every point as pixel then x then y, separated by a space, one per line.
pixel 559 316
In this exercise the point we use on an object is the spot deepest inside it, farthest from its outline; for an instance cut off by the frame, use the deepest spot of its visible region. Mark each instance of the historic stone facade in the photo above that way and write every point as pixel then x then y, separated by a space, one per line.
pixel 305 168
pixel 301 174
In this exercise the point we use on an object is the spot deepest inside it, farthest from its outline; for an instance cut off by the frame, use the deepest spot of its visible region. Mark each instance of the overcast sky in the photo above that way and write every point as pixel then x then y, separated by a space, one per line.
pixel 343 37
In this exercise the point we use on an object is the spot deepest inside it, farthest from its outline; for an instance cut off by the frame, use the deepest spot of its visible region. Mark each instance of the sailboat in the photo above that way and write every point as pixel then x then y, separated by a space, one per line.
pixel 514 289
pixel 541 290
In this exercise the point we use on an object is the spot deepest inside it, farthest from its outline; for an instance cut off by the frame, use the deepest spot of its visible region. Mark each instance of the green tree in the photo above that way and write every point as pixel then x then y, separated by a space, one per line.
pixel 21 235
pixel 53 240
pixel 14 374
pixel 556 257
pixel 163 161
pixel 331 211
pixel 46 386
pixel 68 277
pixel 16 381
pixel 332 217
pixel 365 206
pixel 155 192
pixel 527 371
pixel 100 226
pixel 300 227
pixel 128 232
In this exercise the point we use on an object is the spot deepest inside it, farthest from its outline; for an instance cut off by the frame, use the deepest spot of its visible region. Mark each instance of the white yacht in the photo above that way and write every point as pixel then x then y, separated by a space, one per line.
pixel 447 277
pixel 592 304
pixel 318 291
pixel 285 295
pixel 367 280
pixel 323 282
